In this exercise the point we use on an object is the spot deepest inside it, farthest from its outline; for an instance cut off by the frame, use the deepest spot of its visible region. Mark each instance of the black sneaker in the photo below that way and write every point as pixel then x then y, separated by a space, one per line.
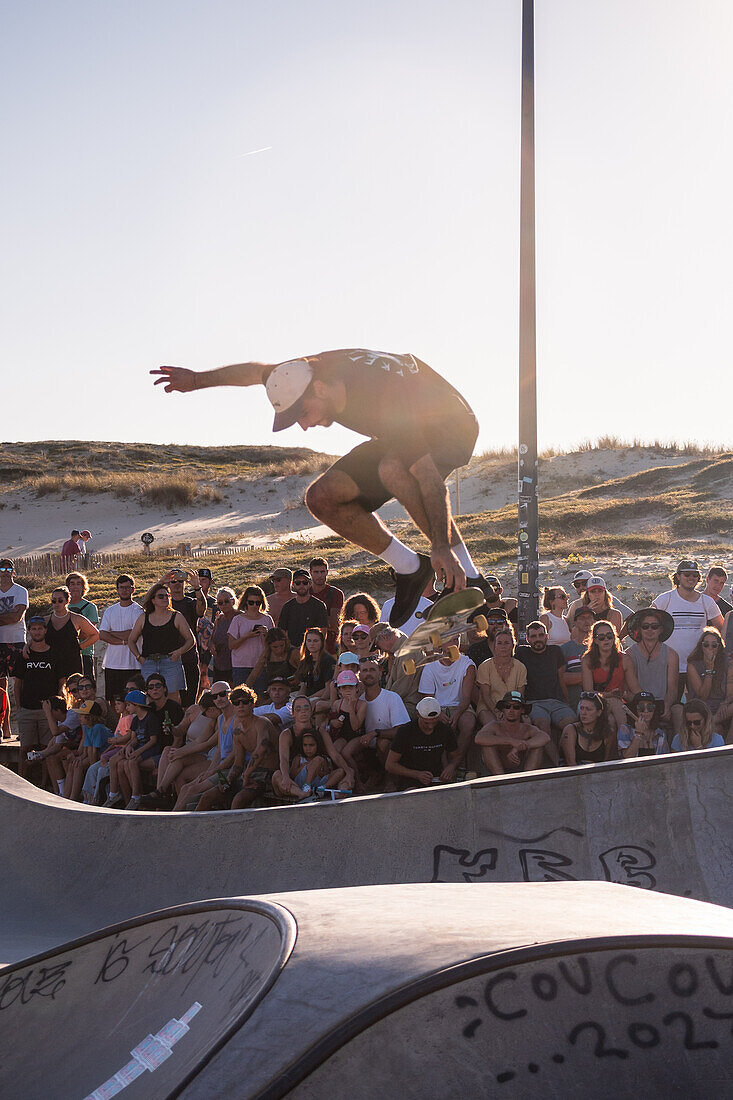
pixel 156 800
pixel 471 582
pixel 409 587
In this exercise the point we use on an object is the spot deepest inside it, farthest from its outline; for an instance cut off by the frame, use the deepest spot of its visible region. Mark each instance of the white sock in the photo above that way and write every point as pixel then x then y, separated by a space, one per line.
pixel 60 785
pixel 461 552
pixel 400 557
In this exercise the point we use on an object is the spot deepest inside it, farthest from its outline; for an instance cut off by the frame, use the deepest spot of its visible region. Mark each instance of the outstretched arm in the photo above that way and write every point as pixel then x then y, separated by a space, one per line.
pixel 181 380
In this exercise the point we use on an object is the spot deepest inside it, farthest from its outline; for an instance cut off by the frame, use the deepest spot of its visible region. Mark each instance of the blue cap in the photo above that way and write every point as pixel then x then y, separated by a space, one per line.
pixel 139 698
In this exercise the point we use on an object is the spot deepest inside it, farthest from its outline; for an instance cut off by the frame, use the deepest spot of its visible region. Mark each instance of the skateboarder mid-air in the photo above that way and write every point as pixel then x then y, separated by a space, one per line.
pixel 419 429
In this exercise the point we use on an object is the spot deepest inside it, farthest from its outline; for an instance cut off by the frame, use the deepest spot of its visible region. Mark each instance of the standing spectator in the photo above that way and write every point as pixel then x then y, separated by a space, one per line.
pixel 555 603
pixel 691 610
pixel 510 743
pixel 546 689
pixel 36 679
pixel 715 582
pixel 13 606
pixel 452 683
pixel 598 600
pixel 165 636
pixel 424 750
pixel 499 675
pixel 697 729
pixel 332 597
pixel 603 670
pixel 186 606
pixel 590 739
pixel 423 604
pixel 206 612
pixel 78 586
pixel 70 550
pixel 302 611
pixel 362 608
pixel 226 607
pixel 117 622
pixel 645 737
pixel 247 632
pixel 282 582
pixel 573 650
pixel 649 664
pixel 81 542
pixel 68 633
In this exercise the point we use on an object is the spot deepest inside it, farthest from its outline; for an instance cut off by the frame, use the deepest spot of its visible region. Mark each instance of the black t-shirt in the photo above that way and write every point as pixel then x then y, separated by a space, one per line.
pixel 480 651
pixel 542 670
pixel 724 606
pixel 312 682
pixel 187 607
pixel 422 752
pixel 40 676
pixel 145 728
pixel 390 396
pixel 295 618
pixel 175 712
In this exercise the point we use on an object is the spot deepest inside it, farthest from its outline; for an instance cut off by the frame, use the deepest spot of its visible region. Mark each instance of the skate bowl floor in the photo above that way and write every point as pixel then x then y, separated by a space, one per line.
pixel 563 989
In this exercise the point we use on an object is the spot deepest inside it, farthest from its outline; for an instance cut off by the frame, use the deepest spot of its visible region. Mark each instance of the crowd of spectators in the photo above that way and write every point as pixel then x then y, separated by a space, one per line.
pixel 205 699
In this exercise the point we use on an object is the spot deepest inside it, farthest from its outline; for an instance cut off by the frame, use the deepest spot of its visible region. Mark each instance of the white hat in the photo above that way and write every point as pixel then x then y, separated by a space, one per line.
pixel 285 388
pixel 583 575
pixel 596 582
pixel 428 707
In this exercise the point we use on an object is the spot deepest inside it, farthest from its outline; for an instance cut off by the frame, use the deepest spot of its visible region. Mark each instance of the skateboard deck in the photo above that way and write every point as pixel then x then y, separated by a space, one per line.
pixel 444 623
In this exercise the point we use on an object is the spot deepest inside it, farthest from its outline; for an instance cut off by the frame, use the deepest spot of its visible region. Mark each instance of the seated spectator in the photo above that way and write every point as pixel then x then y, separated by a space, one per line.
pixel 649 664
pixel 278 661
pixel 452 683
pixel 94 742
pixel 66 734
pixel 598 599
pixel 165 636
pixel 68 633
pixel 186 756
pixel 424 750
pixel 580 584
pixel 362 608
pixel 710 677
pixel 78 586
pixel 139 755
pixel 602 668
pixel 545 689
pixel 510 743
pixel 697 729
pixel 226 610
pixel 346 643
pixel 316 666
pixel 481 646
pixel 347 715
pixel 168 710
pixel 502 673
pixel 303 610
pixel 253 761
pixel 222 757
pixel 590 739
pixel 495 597
pixel 573 650
pixel 247 632
pixel 407 685
pixel 98 772
pixel 345 660
pixel 555 602
pixel 314 768
pixel 645 738
pixel 715 582
pixel 290 746
pixel 385 712
pixel 362 641
pixel 277 710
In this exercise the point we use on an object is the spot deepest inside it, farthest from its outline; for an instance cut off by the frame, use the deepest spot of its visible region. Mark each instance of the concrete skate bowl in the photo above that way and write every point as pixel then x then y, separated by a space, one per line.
pixel 141 1006
pixel 602 1018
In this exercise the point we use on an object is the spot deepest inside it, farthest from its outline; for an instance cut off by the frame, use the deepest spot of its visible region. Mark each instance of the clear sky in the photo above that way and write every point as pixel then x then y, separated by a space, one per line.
pixel 382 211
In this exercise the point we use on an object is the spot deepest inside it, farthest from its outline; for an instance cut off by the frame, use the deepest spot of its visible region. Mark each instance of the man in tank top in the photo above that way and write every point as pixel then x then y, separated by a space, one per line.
pixel 649 664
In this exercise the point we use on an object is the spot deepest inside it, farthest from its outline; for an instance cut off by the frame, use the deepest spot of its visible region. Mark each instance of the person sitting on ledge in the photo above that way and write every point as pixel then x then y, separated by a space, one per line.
pixel 591 739
pixel 424 750
pixel 510 743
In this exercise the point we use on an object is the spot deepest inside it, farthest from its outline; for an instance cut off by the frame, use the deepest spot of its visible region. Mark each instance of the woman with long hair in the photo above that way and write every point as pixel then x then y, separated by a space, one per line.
pixel 166 636
pixel 290 744
pixel 279 658
pixel 697 729
pixel 710 676
pixel 591 739
pixel 602 669
pixel 643 736
pixel 498 675
pixel 68 633
pixel 315 667
pixel 555 602
pixel 596 597
pixel 247 634
pixel 362 608
pixel 346 641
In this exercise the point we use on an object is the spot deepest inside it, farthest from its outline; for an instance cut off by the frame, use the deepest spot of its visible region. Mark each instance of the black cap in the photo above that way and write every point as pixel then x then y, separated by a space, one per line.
pixel 278 680
pixel 204 572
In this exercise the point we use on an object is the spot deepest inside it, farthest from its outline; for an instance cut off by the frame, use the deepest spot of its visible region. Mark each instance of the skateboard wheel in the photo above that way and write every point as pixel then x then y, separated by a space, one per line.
pixel 408 667
pixel 481 623
pixel 436 641
pixel 454 653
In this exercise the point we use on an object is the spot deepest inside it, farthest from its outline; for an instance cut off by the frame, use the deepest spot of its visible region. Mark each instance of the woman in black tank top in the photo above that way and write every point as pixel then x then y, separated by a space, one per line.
pixel 68 633
pixel 166 636
pixel 590 740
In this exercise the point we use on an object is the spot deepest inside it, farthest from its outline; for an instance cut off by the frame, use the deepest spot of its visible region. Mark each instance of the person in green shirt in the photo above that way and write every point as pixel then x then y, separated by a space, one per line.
pixel 78 586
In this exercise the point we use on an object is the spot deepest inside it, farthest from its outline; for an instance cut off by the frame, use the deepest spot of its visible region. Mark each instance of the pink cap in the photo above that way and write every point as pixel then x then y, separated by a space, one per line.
pixel 347 678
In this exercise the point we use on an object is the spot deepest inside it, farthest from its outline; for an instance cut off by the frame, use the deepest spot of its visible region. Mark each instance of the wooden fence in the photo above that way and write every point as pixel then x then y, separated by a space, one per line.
pixel 53 565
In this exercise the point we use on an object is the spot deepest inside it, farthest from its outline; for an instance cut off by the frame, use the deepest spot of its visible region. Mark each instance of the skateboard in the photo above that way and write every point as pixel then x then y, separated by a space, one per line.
pixel 443 623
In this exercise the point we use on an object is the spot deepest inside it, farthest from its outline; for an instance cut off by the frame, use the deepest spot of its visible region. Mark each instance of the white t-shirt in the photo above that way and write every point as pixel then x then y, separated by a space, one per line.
pixel 690 619
pixel 15 596
pixel 285 714
pixel 120 618
pixel 413 622
pixel 444 681
pixel 385 712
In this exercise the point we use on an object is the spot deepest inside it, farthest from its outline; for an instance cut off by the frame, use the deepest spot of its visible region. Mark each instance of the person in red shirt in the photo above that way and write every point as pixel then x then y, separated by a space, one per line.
pixel 332 597
pixel 70 550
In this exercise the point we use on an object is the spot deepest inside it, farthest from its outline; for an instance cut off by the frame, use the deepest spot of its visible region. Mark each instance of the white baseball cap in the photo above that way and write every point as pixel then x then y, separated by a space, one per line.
pixel 428 707
pixel 286 387
pixel 583 575
pixel 596 582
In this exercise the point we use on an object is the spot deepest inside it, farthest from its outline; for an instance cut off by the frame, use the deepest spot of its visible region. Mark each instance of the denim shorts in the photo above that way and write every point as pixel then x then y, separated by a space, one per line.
pixel 171 671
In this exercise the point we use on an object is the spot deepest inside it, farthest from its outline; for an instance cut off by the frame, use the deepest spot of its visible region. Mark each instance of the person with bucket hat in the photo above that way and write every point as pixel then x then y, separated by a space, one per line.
pixel 510 743
pixel 691 611
pixel 424 750
pixel 642 736
pixel 651 665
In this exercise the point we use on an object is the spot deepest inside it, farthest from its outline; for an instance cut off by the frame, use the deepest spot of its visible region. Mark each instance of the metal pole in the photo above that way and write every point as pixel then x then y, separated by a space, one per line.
pixel 528 533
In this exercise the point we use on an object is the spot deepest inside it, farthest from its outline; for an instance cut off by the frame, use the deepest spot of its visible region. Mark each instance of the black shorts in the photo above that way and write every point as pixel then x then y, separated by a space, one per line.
pixel 452 443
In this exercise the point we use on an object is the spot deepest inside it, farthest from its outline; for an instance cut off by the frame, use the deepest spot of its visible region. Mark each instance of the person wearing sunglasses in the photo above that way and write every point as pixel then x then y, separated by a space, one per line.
pixel 303 610
pixel 165 636
pixel 710 677
pixel 590 740
pixel 555 601
pixel 691 612
pixel 697 729
pixel 509 742
pixel 642 736
pixel 247 633
pixel 602 669
pixel 649 663
pixel 68 633
pixel 13 606
pixel 226 609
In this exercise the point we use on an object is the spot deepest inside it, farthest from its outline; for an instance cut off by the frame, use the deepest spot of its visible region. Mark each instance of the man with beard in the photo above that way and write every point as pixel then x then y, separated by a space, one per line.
pixel 691 610
pixel 510 743
pixel 546 689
